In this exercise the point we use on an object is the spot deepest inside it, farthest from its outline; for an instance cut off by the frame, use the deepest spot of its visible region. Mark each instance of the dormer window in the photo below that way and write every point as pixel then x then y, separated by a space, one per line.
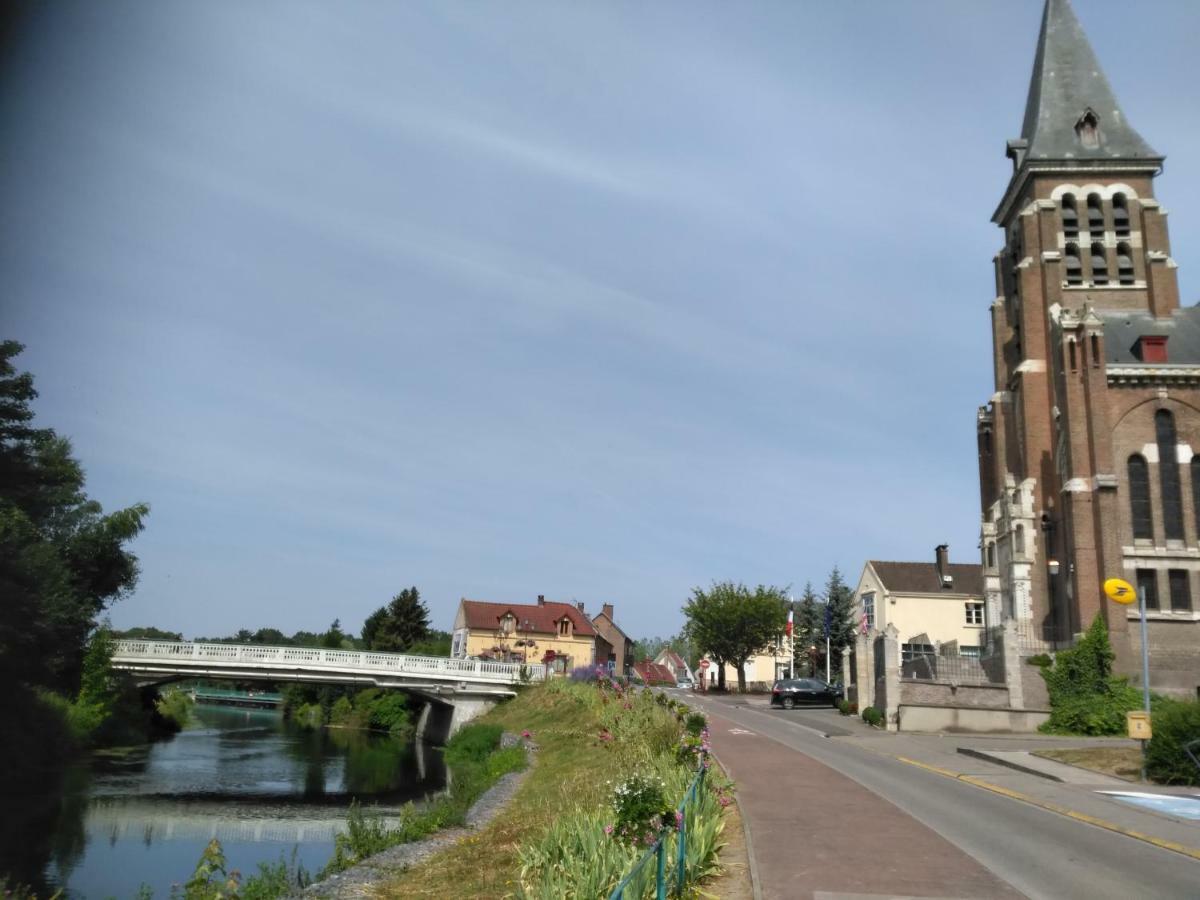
pixel 1152 348
pixel 508 623
pixel 1087 129
pixel 564 627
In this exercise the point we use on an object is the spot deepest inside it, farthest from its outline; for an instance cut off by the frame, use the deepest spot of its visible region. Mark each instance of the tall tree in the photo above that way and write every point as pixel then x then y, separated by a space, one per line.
pixel 62 560
pixel 334 638
pixel 808 628
pixel 731 623
pixel 839 597
pixel 396 627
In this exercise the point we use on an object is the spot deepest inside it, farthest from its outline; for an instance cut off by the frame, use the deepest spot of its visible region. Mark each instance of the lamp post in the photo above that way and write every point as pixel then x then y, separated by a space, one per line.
pixel 526 629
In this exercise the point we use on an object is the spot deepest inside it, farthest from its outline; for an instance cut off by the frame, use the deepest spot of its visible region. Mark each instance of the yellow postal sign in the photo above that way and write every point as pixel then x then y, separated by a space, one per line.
pixel 1120 591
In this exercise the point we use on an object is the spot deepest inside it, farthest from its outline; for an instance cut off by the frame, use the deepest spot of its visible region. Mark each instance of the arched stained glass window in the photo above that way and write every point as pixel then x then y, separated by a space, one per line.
pixel 1139 497
pixel 1168 475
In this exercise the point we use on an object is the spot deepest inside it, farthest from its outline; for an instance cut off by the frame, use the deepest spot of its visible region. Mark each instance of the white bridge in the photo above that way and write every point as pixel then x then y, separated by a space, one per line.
pixel 462 687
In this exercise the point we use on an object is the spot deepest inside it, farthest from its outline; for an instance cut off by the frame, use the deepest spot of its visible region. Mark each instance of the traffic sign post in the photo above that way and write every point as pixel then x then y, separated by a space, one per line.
pixel 704 675
pixel 1121 591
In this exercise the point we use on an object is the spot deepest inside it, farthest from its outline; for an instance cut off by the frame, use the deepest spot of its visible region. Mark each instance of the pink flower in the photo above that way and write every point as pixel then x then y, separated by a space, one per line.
pixel 526 733
pixel 724 801
pixel 608 829
pixel 678 820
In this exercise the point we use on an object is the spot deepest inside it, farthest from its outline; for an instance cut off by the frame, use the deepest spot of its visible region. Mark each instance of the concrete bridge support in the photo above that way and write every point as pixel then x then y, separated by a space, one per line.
pixel 440 719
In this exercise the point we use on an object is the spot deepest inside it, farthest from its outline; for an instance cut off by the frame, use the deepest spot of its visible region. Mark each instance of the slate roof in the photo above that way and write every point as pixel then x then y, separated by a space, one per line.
pixel 1122 329
pixel 923 578
pixel 485 616
pixel 1067 81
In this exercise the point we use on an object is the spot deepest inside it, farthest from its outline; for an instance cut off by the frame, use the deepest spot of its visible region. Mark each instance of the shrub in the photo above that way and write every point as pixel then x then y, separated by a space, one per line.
pixel 694 723
pixel 472 743
pixel 845 707
pixel 175 707
pixel 1174 723
pixel 1085 697
pixel 872 716
pixel 641 809
pixel 1041 659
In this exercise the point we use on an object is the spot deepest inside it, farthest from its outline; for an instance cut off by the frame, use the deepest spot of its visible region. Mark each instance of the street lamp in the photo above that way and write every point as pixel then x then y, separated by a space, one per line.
pixel 527 629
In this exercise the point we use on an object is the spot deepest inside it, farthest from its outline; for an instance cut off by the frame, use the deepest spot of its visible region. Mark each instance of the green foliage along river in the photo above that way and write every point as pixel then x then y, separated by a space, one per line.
pixel 118 820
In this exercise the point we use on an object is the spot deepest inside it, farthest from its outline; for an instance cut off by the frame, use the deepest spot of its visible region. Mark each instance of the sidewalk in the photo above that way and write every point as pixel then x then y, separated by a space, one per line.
pixel 846 854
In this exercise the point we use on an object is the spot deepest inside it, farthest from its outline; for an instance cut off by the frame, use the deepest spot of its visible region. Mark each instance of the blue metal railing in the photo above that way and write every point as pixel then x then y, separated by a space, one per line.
pixel 658 850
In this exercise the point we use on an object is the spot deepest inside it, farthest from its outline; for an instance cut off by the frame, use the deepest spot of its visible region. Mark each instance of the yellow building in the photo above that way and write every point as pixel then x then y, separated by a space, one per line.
pixel 931 604
pixel 558 634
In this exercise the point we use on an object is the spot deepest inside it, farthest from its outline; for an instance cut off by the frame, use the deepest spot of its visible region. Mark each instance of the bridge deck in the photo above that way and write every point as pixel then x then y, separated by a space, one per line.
pixel 310 664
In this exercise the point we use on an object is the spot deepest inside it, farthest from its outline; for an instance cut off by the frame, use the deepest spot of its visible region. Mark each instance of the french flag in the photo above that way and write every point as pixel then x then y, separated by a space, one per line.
pixel 789 624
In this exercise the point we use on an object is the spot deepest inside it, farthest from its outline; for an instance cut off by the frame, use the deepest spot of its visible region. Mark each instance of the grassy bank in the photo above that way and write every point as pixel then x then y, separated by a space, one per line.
pixel 553 839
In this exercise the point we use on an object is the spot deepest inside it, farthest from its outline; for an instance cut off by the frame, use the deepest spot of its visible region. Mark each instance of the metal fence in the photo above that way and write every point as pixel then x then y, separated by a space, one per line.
pixel 953 668
pixel 658 850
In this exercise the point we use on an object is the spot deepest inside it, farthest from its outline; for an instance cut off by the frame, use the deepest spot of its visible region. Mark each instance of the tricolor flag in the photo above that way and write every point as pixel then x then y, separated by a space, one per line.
pixel 789 624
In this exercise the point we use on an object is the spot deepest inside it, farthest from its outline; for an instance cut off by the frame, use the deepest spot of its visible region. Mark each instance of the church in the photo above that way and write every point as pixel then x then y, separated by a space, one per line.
pixel 1089 448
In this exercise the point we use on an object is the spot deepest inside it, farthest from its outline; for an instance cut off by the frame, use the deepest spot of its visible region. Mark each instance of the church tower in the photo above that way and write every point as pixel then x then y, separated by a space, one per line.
pixel 1086 465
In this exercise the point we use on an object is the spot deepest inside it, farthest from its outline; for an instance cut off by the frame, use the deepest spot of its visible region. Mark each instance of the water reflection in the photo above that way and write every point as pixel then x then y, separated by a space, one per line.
pixel 257 783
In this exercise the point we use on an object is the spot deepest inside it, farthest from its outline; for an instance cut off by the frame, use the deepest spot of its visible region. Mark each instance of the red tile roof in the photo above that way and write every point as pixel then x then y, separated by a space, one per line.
pixel 670 656
pixel 653 673
pixel 543 618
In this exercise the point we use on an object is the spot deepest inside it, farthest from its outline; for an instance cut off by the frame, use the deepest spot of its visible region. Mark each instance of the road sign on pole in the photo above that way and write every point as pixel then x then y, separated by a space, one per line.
pixel 1121 591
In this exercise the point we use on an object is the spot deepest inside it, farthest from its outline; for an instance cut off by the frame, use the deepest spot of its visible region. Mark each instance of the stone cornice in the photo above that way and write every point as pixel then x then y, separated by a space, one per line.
pixel 1148 373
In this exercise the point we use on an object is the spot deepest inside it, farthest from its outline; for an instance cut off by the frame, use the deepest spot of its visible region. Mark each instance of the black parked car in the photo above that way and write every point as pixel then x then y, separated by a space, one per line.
pixel 792 692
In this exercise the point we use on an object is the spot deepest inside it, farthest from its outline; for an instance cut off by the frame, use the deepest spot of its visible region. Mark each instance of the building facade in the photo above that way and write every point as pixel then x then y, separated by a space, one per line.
pixel 932 604
pixel 617 650
pixel 1086 463
pixel 558 634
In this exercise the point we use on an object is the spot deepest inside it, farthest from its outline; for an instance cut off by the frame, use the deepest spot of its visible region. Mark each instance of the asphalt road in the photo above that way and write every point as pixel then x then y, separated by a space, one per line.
pixel 1040 853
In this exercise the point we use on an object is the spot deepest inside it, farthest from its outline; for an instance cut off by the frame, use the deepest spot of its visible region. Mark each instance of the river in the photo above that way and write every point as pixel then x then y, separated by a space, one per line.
pixel 121 820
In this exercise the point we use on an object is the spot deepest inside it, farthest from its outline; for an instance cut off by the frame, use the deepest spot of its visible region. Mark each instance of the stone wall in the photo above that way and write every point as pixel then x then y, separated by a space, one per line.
pixel 945 694
pixel 971 720
pixel 1174 656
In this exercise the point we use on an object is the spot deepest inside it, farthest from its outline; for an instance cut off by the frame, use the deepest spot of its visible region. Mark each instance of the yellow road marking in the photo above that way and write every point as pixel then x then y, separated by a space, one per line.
pixel 1055 808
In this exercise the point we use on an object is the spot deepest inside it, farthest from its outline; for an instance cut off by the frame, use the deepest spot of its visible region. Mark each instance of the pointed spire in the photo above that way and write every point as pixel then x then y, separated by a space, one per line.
pixel 1071 113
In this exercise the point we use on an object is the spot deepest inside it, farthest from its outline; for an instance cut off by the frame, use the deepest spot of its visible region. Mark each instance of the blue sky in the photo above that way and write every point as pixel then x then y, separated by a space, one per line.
pixel 600 301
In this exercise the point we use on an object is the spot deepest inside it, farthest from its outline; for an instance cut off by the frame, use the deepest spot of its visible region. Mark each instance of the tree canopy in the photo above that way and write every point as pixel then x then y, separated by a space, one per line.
pixel 63 561
pixel 731 623
pixel 399 625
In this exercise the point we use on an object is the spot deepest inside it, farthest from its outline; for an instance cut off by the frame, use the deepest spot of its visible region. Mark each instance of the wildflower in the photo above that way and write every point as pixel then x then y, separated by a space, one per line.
pixel 724 801
pixel 526 733
pixel 678 820
pixel 608 829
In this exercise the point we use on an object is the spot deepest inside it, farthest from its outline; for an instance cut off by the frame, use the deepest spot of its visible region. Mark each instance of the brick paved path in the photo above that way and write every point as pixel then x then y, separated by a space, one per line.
pixel 817 834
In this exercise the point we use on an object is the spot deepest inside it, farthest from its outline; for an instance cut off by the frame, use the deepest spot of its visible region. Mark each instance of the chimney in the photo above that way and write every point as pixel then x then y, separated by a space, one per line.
pixel 579 606
pixel 541 599
pixel 607 609
pixel 942 554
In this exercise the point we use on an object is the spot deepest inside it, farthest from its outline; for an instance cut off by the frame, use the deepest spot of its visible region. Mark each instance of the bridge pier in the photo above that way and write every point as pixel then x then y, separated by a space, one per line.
pixel 439 720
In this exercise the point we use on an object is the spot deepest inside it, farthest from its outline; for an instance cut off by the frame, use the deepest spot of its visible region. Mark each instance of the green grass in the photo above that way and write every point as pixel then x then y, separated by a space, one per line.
pixel 566 791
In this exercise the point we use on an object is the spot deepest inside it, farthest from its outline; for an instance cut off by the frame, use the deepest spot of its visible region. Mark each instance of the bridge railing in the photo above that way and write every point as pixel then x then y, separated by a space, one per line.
pixel 257 654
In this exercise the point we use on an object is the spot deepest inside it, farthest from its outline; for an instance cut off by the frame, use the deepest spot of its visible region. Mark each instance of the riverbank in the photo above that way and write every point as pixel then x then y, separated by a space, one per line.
pixel 362 879
pixel 558 828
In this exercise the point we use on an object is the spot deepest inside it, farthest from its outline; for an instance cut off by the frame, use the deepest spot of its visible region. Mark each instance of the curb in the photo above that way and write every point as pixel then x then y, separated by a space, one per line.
pixel 1007 763
pixel 755 882
pixel 1191 852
